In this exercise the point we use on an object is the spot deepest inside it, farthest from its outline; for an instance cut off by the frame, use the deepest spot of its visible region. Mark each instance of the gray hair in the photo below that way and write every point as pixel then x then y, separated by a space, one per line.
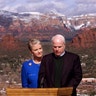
pixel 59 36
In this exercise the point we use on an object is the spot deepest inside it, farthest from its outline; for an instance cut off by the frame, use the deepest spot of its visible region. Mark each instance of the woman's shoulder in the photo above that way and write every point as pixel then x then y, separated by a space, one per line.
pixel 27 62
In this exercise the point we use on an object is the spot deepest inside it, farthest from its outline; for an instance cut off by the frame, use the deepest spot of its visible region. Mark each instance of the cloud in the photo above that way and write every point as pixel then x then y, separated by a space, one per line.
pixel 84 7
pixel 87 1
pixel 66 7
pixel 34 1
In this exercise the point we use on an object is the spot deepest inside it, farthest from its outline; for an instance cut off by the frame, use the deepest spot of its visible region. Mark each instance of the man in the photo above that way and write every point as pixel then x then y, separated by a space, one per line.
pixel 60 68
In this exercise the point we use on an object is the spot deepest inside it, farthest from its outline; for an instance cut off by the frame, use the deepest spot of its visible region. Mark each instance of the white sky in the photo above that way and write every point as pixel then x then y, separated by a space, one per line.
pixel 66 7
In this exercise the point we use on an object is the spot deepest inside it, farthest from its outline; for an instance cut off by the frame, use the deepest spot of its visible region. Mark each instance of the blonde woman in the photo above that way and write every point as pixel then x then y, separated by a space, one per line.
pixel 30 68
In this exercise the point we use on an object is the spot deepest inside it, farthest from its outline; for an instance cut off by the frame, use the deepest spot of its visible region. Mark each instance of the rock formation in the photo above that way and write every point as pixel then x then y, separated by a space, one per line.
pixel 86 39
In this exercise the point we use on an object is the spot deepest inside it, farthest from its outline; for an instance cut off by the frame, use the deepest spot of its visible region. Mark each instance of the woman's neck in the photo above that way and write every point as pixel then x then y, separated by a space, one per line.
pixel 37 60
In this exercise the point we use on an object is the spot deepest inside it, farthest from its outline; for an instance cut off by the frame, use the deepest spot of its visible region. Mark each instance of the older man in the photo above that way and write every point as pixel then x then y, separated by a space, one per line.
pixel 60 68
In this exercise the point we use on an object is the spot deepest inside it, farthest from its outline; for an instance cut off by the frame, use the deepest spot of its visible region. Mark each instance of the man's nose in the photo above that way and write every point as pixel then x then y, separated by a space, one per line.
pixel 56 48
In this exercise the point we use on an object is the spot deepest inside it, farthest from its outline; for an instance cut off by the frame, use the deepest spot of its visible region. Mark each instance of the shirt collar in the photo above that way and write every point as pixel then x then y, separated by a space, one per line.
pixel 62 54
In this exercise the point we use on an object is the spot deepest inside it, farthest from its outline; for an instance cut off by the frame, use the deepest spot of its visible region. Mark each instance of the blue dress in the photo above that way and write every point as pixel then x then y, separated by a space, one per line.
pixel 29 74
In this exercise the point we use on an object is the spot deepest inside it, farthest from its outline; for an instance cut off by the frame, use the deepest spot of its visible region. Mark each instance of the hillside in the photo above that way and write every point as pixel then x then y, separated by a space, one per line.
pixel 16 29
pixel 43 26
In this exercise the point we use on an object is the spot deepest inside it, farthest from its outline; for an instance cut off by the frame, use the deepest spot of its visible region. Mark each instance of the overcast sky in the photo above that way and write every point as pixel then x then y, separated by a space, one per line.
pixel 66 7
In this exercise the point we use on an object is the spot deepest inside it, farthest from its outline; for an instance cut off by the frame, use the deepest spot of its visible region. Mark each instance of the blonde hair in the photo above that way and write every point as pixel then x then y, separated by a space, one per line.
pixel 32 42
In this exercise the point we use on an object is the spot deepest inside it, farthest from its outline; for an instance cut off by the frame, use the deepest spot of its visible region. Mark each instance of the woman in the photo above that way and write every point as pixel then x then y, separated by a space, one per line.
pixel 30 68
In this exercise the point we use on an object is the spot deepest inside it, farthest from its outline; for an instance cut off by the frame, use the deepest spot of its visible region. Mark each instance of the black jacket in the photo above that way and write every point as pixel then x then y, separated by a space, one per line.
pixel 71 71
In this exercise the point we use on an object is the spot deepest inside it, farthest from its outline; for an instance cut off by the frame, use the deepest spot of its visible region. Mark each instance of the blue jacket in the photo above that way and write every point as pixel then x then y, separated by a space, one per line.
pixel 29 74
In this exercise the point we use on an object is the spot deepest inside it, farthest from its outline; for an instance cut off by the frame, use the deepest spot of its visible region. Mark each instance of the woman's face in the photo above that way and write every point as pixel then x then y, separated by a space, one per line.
pixel 37 50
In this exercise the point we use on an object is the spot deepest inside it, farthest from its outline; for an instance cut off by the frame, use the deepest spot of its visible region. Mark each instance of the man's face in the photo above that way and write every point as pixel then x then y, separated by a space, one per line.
pixel 58 47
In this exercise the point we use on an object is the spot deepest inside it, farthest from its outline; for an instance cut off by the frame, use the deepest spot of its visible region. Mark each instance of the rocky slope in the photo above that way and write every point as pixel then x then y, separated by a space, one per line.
pixel 44 26
pixel 86 39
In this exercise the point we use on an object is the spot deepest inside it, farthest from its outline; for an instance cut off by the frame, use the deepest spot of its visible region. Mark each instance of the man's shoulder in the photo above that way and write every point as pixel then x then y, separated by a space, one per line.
pixel 48 55
pixel 71 53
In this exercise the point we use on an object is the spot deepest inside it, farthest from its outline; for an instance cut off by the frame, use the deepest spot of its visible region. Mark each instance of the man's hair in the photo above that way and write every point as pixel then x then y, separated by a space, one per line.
pixel 58 36
pixel 32 42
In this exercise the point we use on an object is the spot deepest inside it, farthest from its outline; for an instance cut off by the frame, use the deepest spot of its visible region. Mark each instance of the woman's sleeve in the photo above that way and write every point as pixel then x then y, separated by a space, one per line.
pixel 24 80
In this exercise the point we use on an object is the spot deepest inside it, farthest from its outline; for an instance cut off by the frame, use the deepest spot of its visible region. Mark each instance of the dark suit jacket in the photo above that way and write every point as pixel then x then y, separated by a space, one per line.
pixel 71 71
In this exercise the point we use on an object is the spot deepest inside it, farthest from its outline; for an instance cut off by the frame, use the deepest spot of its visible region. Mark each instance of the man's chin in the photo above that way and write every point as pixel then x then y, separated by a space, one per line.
pixel 57 54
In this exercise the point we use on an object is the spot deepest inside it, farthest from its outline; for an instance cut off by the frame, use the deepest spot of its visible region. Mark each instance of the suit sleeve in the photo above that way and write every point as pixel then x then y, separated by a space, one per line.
pixel 77 73
pixel 41 74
